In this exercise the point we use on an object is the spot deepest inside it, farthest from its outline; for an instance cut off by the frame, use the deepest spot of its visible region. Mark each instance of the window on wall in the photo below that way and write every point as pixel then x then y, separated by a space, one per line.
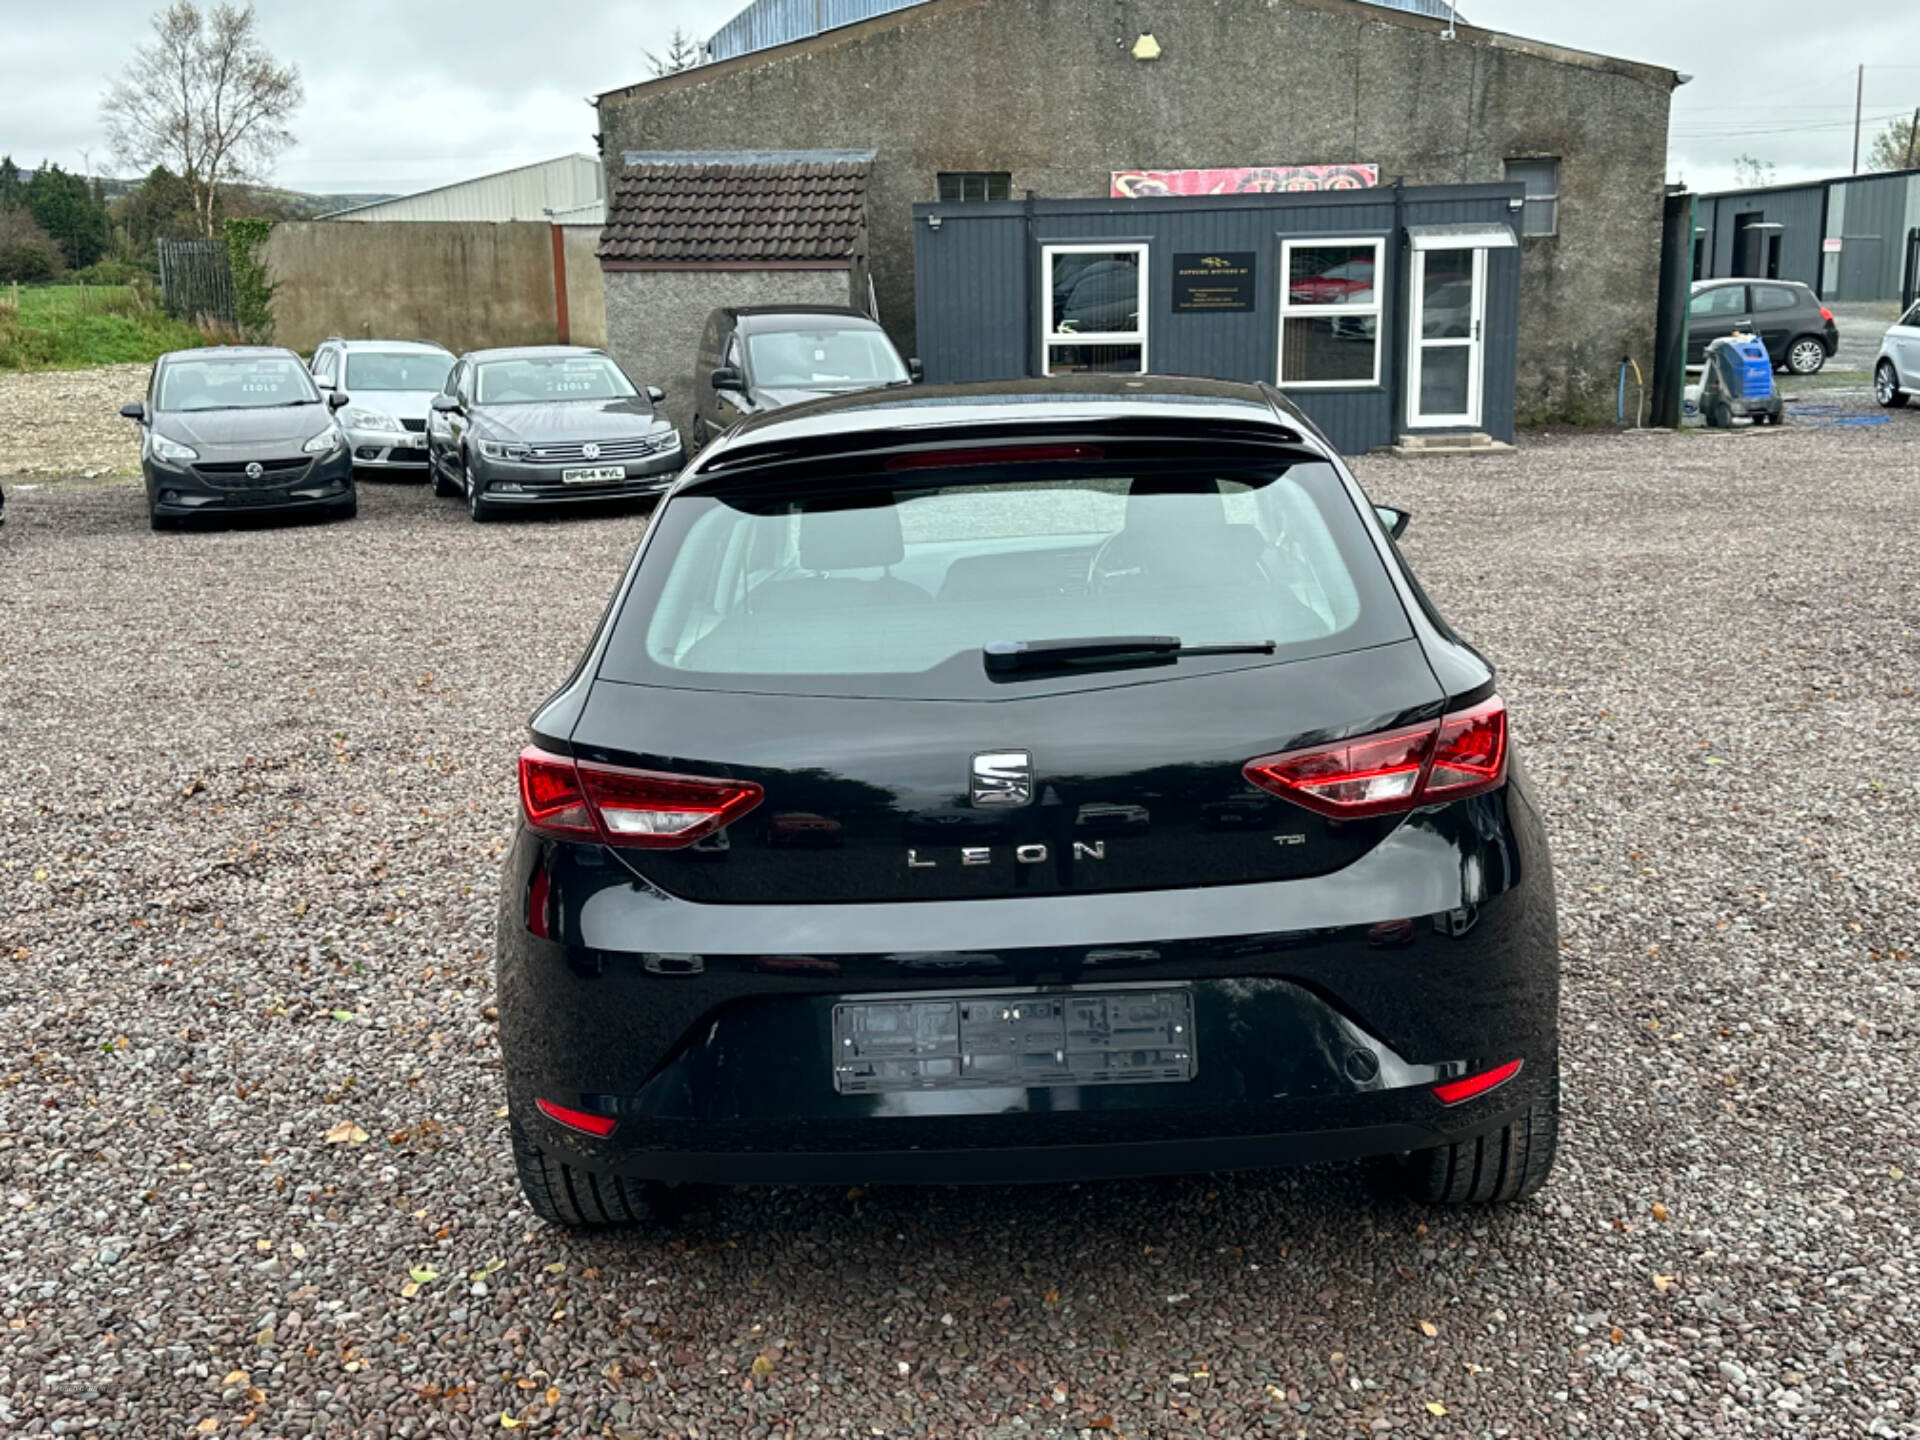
pixel 1540 214
pixel 1096 309
pixel 1330 312
pixel 974 187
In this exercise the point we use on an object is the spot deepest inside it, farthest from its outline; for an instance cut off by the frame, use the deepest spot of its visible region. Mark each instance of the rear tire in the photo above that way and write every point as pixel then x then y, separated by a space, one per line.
pixel 1886 385
pixel 1503 1165
pixel 563 1195
pixel 1806 356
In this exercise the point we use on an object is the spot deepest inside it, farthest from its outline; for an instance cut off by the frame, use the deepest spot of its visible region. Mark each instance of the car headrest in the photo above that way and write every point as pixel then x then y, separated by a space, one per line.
pixel 1154 500
pixel 865 538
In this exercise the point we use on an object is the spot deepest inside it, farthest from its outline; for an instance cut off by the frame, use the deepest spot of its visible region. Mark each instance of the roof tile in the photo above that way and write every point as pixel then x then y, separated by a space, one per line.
pixel 705 212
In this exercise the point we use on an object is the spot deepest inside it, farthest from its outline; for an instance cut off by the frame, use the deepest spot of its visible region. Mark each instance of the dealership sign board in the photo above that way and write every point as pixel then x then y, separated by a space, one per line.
pixel 1244 180
pixel 1219 281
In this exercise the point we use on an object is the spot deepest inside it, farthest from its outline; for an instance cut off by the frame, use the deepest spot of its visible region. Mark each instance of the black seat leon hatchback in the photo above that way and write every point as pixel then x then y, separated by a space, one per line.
pixel 1041 780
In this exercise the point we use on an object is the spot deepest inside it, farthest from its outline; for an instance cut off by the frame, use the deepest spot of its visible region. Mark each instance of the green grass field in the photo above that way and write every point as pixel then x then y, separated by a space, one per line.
pixel 73 327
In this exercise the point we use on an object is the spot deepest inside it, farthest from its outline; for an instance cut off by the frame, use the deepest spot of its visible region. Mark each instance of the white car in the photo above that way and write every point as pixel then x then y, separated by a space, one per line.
pixel 1896 373
pixel 389 386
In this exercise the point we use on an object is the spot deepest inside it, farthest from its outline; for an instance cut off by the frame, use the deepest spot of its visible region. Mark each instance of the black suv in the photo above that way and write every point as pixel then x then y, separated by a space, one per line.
pixel 1024 781
pixel 754 359
pixel 1797 329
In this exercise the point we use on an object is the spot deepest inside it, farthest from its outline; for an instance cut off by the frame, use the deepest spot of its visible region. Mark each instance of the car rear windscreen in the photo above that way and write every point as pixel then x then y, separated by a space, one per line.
pixel 895 591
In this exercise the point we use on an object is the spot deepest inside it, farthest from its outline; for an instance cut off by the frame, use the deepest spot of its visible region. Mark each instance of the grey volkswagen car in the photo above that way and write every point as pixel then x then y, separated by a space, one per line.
pixel 236 429
pixel 547 424
pixel 392 383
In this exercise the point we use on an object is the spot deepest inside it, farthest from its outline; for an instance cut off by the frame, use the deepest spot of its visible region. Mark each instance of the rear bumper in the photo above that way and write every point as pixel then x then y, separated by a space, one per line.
pixel 1324 1012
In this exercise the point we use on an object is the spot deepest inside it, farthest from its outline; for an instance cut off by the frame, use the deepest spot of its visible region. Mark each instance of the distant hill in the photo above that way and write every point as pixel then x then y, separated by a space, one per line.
pixel 301 203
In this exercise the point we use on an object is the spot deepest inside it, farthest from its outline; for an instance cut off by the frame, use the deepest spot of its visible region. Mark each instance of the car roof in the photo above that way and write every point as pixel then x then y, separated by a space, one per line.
pixel 405 346
pixel 530 352
pixel 1190 403
pixel 229 352
pixel 756 318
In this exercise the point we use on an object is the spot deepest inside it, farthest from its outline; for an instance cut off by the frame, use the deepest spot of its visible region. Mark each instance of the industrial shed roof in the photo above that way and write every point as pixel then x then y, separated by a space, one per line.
pixel 755 208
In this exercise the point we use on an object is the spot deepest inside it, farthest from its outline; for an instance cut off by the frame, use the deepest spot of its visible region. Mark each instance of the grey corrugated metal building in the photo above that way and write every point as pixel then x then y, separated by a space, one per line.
pixel 573 184
pixel 1852 238
pixel 1382 312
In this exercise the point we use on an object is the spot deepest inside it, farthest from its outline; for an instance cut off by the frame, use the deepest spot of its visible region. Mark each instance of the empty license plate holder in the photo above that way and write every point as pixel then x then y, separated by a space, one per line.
pixel 982 1040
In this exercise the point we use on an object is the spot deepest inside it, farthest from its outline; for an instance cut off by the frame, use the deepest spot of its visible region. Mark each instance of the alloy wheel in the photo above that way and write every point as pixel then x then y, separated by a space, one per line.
pixel 1806 357
pixel 1885 390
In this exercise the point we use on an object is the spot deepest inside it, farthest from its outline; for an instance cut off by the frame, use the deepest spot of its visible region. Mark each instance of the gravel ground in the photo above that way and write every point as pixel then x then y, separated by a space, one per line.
pixel 253 1176
pixel 68 422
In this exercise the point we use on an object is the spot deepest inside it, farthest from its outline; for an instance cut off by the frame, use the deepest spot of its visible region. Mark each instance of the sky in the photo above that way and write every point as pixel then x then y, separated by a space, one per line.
pixel 405 96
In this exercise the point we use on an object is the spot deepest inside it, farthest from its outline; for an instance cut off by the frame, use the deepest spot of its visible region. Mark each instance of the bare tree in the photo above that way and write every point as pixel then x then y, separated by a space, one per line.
pixel 683 53
pixel 1752 174
pixel 204 98
pixel 1897 147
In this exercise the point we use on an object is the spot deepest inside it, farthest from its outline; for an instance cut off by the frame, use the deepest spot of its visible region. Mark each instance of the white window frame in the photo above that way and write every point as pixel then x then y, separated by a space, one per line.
pixel 1049 338
pixel 1291 311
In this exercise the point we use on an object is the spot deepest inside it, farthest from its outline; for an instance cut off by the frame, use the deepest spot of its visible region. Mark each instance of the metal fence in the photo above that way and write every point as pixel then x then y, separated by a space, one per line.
pixel 196 281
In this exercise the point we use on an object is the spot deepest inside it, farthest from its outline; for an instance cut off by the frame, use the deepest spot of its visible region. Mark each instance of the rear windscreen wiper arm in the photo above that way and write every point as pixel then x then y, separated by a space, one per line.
pixel 1007 656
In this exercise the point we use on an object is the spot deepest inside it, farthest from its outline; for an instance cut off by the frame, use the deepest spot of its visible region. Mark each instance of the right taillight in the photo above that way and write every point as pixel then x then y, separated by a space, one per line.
pixel 1447 759
pixel 578 800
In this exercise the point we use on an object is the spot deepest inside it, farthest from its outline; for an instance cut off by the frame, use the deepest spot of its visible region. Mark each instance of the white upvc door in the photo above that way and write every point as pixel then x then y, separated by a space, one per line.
pixel 1445 346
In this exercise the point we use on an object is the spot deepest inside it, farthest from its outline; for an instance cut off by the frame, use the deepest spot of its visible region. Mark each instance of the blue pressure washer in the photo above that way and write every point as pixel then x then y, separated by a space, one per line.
pixel 1739 381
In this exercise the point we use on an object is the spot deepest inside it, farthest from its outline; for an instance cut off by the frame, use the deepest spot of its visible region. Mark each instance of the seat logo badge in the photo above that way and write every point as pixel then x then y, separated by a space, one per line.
pixel 1003 779
pixel 255 469
pixel 590 451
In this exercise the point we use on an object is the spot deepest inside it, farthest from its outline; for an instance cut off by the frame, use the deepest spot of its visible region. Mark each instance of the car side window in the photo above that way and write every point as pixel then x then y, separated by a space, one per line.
pixel 1774 297
pixel 452 386
pixel 1912 318
pixel 1719 301
pixel 323 364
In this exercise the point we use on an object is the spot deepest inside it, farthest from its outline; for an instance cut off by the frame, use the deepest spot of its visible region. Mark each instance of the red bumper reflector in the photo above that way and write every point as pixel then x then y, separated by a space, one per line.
pixel 600 1126
pixel 1455 1091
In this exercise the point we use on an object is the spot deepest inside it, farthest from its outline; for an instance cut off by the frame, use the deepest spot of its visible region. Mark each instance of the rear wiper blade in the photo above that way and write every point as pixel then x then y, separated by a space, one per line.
pixel 1008 656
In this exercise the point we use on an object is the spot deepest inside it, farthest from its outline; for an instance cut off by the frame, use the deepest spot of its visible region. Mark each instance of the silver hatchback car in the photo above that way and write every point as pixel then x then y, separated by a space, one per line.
pixel 389 385
pixel 1896 371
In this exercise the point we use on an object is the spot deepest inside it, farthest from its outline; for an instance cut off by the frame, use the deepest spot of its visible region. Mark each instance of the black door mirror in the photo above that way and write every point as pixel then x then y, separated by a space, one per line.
pixel 916 372
pixel 1394 520
pixel 135 410
pixel 656 394
pixel 446 404
pixel 727 378
pixel 336 398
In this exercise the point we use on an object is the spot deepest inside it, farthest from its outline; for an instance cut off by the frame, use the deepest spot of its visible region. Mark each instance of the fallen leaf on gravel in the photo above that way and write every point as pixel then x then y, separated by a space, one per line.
pixel 421 1274
pixel 559 1267
pixel 1052 1297
pixel 409 1290
pixel 343 1014
pixel 501 1113
pixel 1434 1407
pixel 208 1426
pixel 552 1397
pixel 1659 1211
pixel 1662 1282
pixel 1616 1335
pixel 1429 1329
pixel 234 1377
pixel 1100 1422
pixel 507 1422
pixel 1895 1172
pixel 346 1133
pixel 762 1365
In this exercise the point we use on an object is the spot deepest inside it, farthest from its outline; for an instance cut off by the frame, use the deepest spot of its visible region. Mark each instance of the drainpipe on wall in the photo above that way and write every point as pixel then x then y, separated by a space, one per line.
pixel 1036 347
pixel 561 321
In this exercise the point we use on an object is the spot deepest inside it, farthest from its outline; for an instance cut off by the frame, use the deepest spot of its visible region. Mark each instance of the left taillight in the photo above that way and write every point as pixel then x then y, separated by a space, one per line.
pixel 643 809
pixel 1447 759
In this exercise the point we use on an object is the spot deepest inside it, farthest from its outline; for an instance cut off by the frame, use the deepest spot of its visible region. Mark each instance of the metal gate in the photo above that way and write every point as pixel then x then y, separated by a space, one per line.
pixel 196 281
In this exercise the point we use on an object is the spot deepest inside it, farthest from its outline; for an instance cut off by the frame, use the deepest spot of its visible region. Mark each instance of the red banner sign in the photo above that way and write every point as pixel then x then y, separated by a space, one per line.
pixel 1243 180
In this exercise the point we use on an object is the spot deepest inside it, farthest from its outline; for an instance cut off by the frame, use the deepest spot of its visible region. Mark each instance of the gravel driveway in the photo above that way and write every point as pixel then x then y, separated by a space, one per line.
pixel 253 1176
